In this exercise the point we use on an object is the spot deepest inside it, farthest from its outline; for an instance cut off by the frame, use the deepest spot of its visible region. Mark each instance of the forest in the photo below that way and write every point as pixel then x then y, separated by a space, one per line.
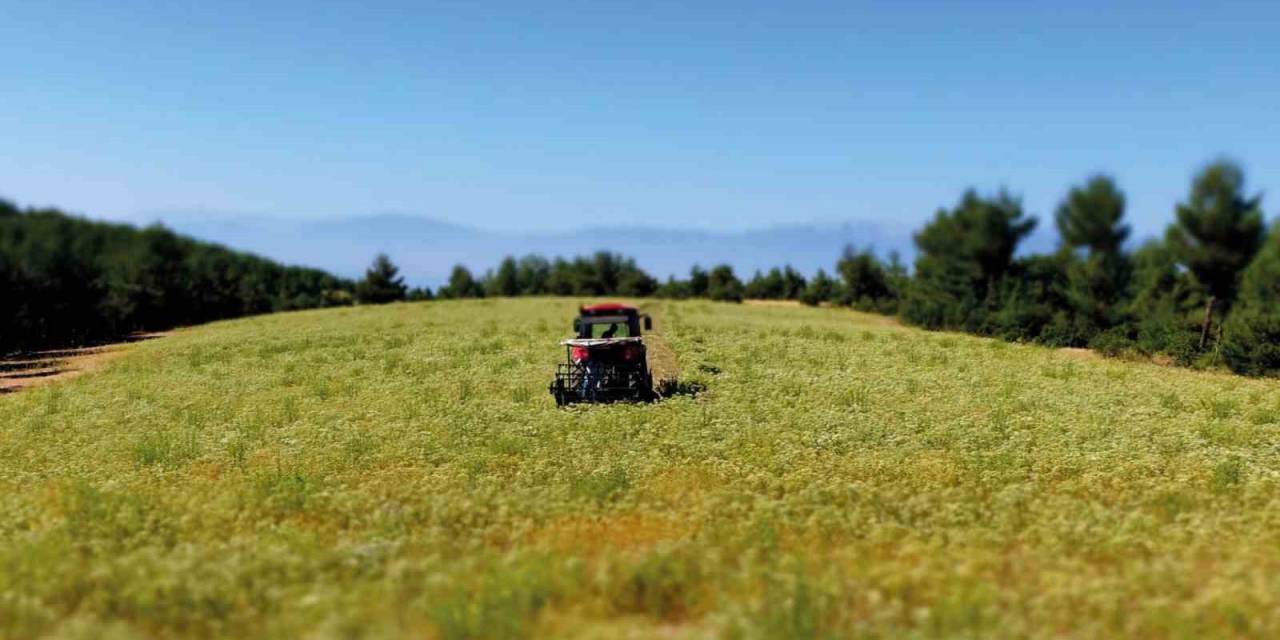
pixel 66 281
pixel 1206 294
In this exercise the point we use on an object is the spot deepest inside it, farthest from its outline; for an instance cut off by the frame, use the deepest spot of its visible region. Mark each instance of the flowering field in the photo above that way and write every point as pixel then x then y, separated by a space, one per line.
pixel 402 471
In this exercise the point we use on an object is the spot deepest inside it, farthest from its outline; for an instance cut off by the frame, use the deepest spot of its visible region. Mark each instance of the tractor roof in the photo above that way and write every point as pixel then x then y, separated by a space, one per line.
pixel 607 307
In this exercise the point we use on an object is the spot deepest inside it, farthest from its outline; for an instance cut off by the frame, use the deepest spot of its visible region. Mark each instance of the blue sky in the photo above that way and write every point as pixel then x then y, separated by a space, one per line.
pixel 548 116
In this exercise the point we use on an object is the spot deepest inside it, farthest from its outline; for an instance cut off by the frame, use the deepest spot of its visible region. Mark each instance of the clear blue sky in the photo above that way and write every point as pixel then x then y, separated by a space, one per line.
pixel 543 115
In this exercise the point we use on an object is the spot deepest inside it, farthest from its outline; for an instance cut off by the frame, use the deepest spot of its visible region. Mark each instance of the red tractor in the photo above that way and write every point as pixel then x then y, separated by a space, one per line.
pixel 607 361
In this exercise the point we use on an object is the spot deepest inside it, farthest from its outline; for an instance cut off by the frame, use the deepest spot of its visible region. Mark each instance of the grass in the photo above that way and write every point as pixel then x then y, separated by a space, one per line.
pixel 401 471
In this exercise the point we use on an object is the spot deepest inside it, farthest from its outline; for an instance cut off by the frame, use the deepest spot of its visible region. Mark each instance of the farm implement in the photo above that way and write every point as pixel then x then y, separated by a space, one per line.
pixel 607 360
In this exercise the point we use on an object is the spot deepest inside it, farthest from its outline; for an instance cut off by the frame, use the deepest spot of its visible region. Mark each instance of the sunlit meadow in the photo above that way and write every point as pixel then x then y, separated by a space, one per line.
pixel 402 471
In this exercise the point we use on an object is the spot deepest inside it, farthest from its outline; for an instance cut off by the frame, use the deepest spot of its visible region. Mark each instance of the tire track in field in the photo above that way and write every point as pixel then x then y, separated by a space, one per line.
pixel 663 364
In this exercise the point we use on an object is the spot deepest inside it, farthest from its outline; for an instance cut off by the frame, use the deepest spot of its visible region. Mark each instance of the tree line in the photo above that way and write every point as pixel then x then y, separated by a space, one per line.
pixel 1206 293
pixel 67 281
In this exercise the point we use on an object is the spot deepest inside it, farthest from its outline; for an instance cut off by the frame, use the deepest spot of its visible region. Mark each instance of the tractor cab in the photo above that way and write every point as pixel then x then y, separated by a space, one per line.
pixel 606 361
pixel 610 320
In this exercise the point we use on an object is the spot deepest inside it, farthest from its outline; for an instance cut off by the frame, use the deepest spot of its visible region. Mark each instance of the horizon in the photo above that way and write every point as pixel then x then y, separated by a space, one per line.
pixel 722 118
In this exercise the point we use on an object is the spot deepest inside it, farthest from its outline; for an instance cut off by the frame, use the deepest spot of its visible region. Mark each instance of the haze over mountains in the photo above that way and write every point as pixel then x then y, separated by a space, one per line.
pixel 426 249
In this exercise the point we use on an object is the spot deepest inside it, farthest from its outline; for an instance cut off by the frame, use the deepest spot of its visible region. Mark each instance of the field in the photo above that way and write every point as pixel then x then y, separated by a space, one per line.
pixel 401 471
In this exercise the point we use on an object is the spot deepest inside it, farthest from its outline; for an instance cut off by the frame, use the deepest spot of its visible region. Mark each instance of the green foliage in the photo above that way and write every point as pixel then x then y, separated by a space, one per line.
pixel 602 273
pixel 69 281
pixel 382 283
pixel 674 289
pixel 462 285
pixel 1251 340
pixel 723 285
pixel 777 284
pixel 1166 303
pixel 965 254
pixel 868 286
pixel 506 281
pixel 699 282
pixel 419 294
pixel 1218 230
pixel 533 275
pixel 1096 289
pixel 820 289
pixel 1113 343
pixel 1092 217
pixel 1031 304
pixel 1157 301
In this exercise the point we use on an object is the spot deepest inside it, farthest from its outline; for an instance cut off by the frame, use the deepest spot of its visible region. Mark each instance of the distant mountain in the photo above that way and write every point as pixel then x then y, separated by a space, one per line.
pixel 426 248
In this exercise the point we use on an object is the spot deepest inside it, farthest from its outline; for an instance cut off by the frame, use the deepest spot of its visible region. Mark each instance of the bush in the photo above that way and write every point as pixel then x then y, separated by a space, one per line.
pixel 1251 342
pixel 1251 336
pixel 1113 343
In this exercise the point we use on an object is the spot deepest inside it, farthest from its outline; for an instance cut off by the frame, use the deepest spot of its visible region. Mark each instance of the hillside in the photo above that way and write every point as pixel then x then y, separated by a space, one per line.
pixel 401 471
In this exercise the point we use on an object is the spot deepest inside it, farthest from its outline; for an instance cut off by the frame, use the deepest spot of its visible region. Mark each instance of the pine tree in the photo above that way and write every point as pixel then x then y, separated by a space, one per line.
pixel 820 289
pixel 754 289
pixel 1164 299
pixel 462 284
pixel 793 284
pixel 382 283
pixel 420 294
pixel 965 253
pixel 1217 233
pixel 697 282
pixel 534 275
pixel 1090 219
pixel 1251 336
pixel 1091 216
pixel 866 283
pixel 506 281
pixel 723 285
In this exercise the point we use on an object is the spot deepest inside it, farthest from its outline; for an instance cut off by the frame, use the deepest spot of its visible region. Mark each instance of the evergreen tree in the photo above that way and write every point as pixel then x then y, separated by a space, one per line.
pixel 506 281
pixel 673 289
pixel 866 283
pixel 420 294
pixel 67 281
pixel 723 285
pixel 898 276
pixel 697 282
pixel 1031 304
pixel 1251 336
pixel 462 285
pixel 964 255
pixel 1164 302
pixel 820 289
pixel 754 288
pixel 634 282
pixel 1090 219
pixel 382 283
pixel 561 279
pixel 1217 233
pixel 534 275
pixel 793 284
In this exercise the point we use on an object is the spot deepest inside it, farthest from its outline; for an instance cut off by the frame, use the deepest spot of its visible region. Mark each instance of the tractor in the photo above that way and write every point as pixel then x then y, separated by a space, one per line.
pixel 606 361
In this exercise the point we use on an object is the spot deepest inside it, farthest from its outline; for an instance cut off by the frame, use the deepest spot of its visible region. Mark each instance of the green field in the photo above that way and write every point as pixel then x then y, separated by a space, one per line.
pixel 402 471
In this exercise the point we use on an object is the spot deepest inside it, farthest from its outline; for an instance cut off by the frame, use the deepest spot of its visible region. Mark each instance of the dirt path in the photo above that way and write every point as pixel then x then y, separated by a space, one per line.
pixel 45 367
